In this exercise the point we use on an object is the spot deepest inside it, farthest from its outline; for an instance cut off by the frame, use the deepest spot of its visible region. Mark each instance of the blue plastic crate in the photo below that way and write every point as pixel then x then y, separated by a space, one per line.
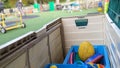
pixel 98 49
pixel 66 66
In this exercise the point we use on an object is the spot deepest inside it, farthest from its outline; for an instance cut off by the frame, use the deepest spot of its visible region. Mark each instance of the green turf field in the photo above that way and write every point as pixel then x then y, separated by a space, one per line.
pixel 36 23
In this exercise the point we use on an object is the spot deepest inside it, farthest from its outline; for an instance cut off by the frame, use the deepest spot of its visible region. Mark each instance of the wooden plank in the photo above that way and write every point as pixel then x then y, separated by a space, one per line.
pixel 91 19
pixel 90 27
pixel 36 54
pixel 55 44
pixel 84 35
pixel 54 35
pixel 69 43
pixel 19 62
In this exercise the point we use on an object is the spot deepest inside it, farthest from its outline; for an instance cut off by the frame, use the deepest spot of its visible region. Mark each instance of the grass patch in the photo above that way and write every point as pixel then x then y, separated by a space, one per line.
pixel 36 23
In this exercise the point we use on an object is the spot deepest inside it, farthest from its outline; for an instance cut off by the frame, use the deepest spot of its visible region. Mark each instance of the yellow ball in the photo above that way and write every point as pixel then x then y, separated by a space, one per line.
pixel 99 9
pixel 85 50
pixel 53 66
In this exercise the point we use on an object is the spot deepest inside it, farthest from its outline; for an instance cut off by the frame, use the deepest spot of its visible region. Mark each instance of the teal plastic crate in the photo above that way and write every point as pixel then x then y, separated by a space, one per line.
pixel 98 49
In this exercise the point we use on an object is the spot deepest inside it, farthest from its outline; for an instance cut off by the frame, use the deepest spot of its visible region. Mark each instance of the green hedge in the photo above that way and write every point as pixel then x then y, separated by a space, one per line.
pixel 12 3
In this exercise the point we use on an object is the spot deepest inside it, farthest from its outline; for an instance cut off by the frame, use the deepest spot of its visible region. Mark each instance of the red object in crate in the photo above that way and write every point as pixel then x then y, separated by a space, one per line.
pixel 95 58
pixel 71 59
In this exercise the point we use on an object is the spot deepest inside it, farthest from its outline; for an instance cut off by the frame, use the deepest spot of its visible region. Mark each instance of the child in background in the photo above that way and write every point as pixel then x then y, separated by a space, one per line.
pixel 1 7
pixel 100 4
pixel 19 6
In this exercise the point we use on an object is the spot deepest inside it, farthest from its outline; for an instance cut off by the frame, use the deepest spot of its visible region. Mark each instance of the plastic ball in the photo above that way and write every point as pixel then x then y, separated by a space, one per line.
pixel 53 66
pixel 85 50
pixel 99 9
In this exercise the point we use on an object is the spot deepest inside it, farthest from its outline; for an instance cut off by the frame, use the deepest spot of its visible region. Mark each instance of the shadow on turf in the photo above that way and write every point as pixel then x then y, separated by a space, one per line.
pixel 29 16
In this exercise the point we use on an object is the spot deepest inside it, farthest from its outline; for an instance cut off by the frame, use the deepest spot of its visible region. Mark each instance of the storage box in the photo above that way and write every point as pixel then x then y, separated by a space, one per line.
pixel 98 49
